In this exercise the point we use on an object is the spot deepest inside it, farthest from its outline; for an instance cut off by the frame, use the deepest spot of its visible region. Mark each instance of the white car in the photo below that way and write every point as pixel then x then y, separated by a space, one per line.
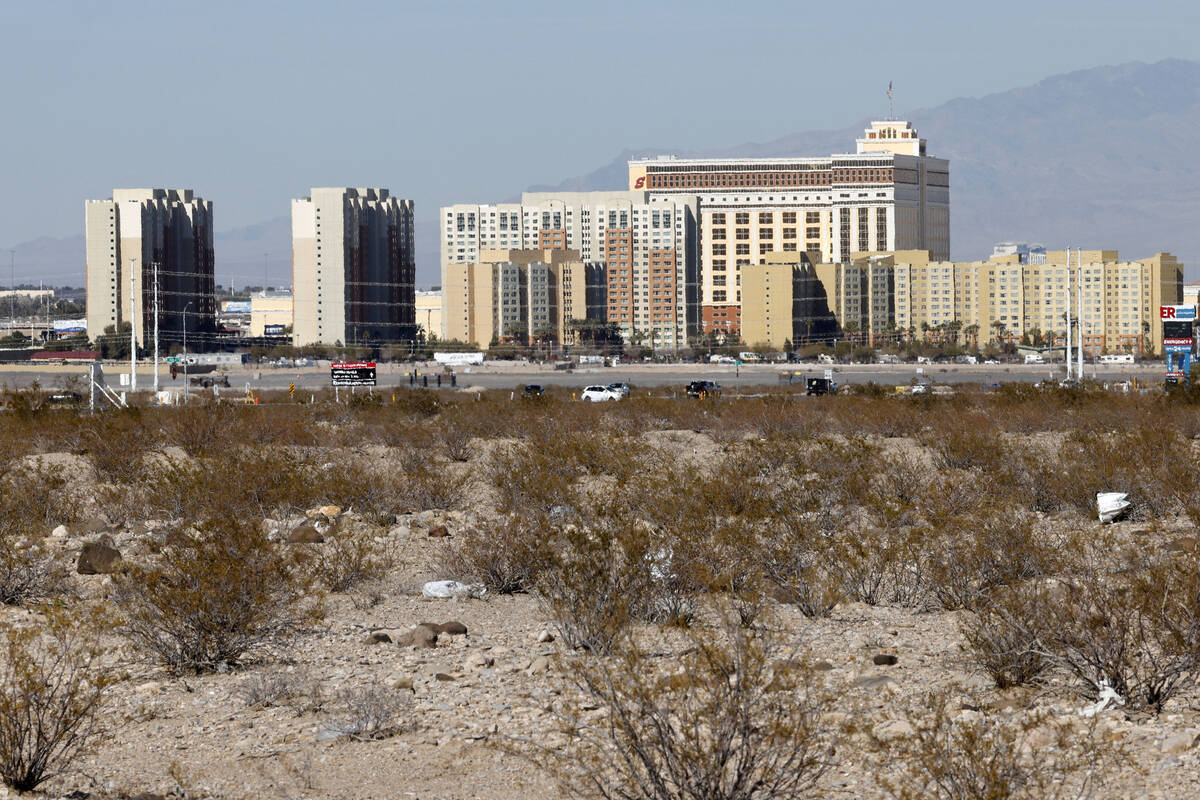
pixel 599 394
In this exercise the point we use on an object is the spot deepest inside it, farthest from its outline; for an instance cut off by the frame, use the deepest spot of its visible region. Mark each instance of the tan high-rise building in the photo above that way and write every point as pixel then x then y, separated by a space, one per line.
pixel 888 195
pixel 134 233
pixel 648 251
pixel 522 296
pixel 353 269
pixel 789 301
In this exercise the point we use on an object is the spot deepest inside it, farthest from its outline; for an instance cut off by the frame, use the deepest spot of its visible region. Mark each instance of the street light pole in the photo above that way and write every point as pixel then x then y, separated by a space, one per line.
pixel 132 329
pixel 12 300
pixel 185 357
pixel 155 328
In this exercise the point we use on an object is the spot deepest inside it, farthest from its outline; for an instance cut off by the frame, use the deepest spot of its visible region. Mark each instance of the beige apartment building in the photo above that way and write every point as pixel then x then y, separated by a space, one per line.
pixel 522 296
pixel 353 268
pixel 1002 298
pixel 885 298
pixel 271 313
pixel 429 314
pixel 888 195
pixel 136 233
pixel 647 252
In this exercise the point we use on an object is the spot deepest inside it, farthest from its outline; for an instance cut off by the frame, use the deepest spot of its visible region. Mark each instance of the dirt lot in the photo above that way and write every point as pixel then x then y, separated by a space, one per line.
pixel 274 723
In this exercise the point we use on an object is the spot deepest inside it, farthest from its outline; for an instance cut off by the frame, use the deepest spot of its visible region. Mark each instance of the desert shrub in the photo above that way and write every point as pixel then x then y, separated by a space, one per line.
pixel 1134 627
pixel 39 494
pixel 115 443
pixel 803 565
pixel 456 443
pixel 597 580
pixel 1008 633
pixel 529 479
pixel 417 403
pixel 297 690
pixel 199 429
pixel 375 492
pixel 349 558
pixel 968 442
pixel 217 596
pixel 995 547
pixel 53 687
pixel 369 712
pixel 735 717
pixel 30 572
pixel 988 756
pixel 240 481
pixel 432 486
pixel 506 555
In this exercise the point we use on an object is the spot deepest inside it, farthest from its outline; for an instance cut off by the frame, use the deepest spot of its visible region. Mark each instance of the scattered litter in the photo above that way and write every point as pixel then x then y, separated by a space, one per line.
pixel 435 590
pixel 1111 505
pixel 1107 695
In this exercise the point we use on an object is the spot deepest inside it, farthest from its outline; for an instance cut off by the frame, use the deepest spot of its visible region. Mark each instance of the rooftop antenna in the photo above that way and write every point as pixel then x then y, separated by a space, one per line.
pixel 891 103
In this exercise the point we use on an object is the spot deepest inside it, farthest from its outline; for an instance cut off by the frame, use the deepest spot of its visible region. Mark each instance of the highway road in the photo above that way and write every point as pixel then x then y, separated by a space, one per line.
pixel 505 375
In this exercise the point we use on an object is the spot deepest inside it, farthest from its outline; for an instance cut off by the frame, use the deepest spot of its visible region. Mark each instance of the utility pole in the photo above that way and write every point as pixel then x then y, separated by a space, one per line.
pixel 133 331
pixel 1079 287
pixel 265 273
pixel 12 299
pixel 1067 352
pixel 185 355
pixel 155 328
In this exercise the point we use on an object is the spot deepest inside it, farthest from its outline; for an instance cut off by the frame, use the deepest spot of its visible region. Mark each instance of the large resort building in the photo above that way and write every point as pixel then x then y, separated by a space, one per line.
pixel 888 195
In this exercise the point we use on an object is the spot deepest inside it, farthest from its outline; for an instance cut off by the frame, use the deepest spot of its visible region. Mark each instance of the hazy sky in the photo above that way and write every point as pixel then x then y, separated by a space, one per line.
pixel 251 103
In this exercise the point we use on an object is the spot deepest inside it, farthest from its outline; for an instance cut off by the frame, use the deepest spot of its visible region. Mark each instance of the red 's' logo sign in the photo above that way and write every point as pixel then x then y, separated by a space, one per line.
pixel 640 183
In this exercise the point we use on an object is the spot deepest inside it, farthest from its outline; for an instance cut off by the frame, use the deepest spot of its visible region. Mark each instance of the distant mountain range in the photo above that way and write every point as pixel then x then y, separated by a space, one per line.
pixel 1100 158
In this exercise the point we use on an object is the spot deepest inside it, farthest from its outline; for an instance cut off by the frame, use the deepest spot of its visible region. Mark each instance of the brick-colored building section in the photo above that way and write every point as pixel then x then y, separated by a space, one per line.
pixel 618 255
pixel 721 319
pixel 663 288
pixel 552 239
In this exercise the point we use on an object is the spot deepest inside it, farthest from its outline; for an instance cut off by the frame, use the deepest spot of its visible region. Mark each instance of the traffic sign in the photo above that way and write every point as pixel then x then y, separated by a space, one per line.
pixel 174 359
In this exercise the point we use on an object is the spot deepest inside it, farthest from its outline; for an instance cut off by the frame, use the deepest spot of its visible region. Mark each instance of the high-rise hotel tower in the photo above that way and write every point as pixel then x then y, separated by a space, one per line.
pixel 889 195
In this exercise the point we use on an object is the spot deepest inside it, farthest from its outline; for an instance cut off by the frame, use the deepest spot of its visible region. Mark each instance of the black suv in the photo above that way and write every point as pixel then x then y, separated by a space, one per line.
pixel 820 386
pixel 704 389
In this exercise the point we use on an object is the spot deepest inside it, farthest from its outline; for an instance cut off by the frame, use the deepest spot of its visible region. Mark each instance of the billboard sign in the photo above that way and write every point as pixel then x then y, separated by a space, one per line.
pixel 352 373
pixel 1177 345
pixel 1176 329
pixel 273 330
pixel 1187 313
pixel 70 325
pixel 235 306
pixel 458 359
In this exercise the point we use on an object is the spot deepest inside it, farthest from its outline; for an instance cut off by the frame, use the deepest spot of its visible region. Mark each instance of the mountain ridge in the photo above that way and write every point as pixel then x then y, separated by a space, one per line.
pixel 1097 158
